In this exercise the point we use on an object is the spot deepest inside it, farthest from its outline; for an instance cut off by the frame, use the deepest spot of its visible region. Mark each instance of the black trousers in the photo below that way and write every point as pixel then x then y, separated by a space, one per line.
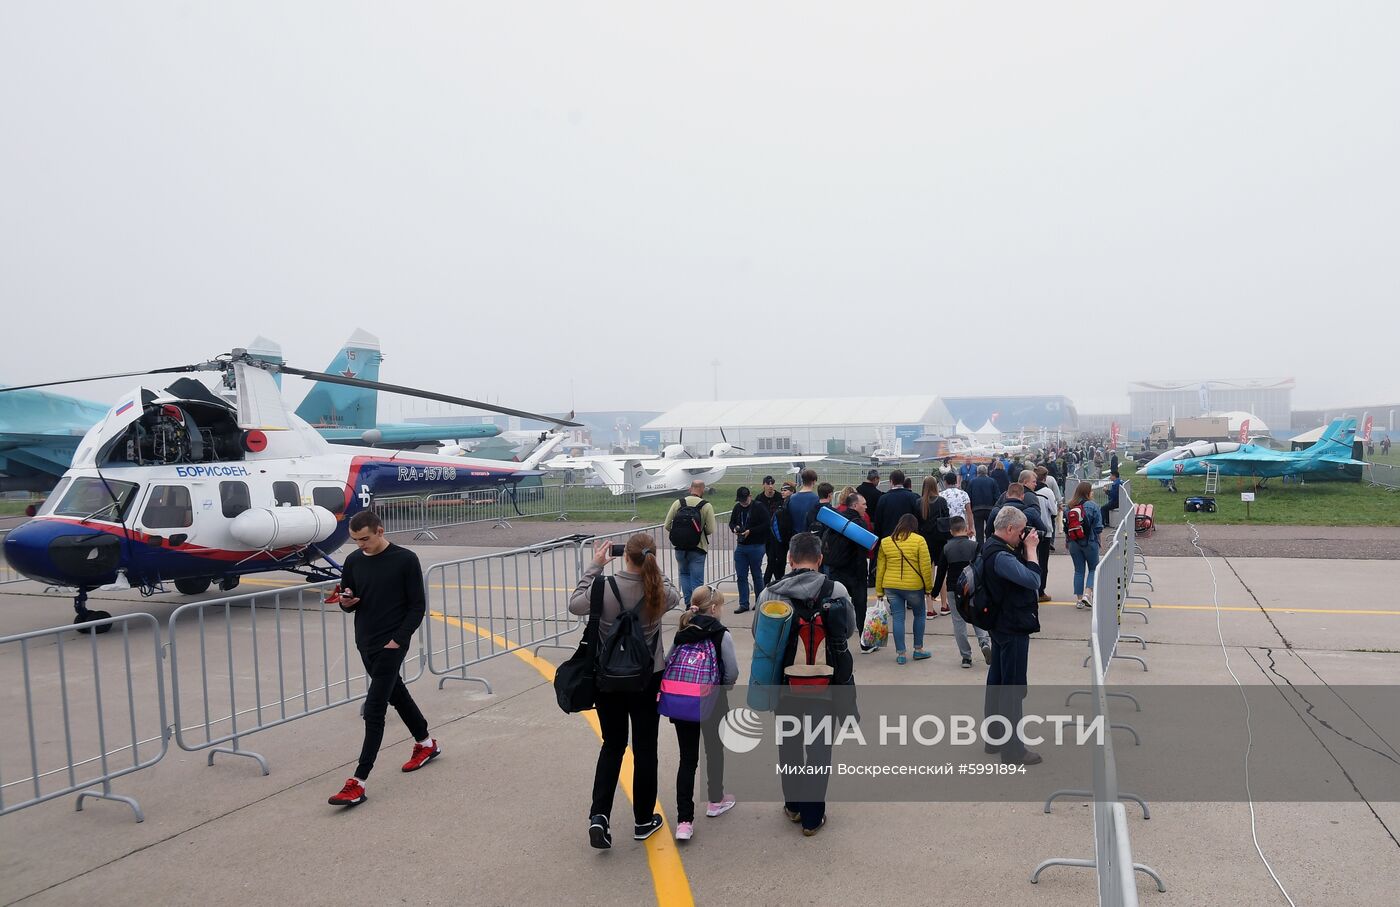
pixel 386 688
pixel 688 734
pixel 776 564
pixel 616 711
pixel 802 793
pixel 941 573
pixel 1042 552
pixel 979 515
pixel 854 581
pixel 1006 684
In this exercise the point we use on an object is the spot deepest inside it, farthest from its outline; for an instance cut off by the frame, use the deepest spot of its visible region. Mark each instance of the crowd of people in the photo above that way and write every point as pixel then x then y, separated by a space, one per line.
pixel 1005 516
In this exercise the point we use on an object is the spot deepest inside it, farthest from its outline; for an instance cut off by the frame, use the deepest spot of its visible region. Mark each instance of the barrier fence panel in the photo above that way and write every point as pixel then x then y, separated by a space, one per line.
pixel 585 501
pixel 1383 475
pixel 719 562
pixel 111 718
pixel 501 504
pixel 483 607
pixel 246 663
pixel 8 574
pixel 400 514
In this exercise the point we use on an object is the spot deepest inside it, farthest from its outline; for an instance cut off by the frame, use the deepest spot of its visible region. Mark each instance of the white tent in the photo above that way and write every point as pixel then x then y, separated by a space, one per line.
pixel 962 430
pixel 1239 417
pixel 988 432
pixel 1309 437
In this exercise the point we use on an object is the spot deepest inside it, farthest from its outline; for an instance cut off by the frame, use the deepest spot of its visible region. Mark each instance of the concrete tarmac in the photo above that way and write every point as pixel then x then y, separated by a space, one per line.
pixel 500 818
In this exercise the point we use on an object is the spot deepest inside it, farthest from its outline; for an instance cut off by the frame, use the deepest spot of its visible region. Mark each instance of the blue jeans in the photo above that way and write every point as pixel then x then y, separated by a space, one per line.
pixel 748 559
pixel 1006 685
pixel 1084 555
pixel 900 599
pixel 692 570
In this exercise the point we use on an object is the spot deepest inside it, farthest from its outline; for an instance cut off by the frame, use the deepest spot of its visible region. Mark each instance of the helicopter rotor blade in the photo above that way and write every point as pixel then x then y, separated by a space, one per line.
pixel 154 371
pixel 425 395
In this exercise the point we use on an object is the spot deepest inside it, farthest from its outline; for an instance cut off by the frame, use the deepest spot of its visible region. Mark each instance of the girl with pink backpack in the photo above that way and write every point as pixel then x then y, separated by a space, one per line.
pixel 700 668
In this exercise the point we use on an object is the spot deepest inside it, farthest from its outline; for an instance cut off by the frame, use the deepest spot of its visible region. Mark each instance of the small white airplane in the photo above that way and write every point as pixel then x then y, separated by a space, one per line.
pixel 961 447
pixel 886 456
pixel 671 472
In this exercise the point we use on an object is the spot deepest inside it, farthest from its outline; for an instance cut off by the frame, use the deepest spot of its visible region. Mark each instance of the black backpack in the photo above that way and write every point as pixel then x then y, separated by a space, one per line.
pixel 974 599
pixel 688 526
pixel 625 660
pixel 937 527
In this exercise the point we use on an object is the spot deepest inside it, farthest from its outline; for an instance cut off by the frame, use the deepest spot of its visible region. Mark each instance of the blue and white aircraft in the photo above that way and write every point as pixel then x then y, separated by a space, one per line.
pixel 191 487
pixel 39 431
pixel 1330 454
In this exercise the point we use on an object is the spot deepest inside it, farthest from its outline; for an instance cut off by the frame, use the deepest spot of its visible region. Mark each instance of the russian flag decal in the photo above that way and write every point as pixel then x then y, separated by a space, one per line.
pixel 125 406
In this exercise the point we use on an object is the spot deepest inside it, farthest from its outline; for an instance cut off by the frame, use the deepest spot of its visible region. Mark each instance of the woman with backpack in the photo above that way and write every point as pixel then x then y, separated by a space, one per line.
pixel 702 646
pixel 905 571
pixel 632 603
pixel 933 526
pixel 1083 523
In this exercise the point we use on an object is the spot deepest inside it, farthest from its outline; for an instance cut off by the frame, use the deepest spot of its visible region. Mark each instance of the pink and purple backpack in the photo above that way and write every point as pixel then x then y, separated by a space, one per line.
pixel 692 677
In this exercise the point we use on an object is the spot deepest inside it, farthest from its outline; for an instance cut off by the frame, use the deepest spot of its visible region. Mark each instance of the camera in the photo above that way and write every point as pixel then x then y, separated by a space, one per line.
pixel 1025 531
pixel 618 549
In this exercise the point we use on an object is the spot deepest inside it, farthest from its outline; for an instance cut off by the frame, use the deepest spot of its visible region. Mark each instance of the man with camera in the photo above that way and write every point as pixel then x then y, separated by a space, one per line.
pixel 1010 571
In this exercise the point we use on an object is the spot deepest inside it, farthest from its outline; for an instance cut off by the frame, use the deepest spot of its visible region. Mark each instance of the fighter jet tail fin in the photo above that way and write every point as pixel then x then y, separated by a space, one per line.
pixel 336 406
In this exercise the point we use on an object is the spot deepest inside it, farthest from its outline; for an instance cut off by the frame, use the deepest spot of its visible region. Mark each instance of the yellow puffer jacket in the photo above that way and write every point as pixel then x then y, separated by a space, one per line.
pixel 904 565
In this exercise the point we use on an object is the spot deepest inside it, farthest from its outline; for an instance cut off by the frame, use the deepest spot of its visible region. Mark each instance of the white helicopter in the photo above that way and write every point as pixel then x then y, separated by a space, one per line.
pixel 188 487
pixel 673 471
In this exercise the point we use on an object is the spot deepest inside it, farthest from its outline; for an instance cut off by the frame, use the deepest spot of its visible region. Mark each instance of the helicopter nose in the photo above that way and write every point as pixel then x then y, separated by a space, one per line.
pixel 51 552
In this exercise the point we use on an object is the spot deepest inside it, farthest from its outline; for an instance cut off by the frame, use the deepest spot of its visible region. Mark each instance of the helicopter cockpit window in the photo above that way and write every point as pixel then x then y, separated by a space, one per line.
pixel 168 508
pixel 54 497
pixel 235 498
pixel 285 494
pixel 98 499
pixel 331 498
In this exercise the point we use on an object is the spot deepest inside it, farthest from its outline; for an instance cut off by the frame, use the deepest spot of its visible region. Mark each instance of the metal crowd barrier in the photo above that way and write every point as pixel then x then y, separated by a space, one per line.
pixel 494 604
pixel 401 514
pixel 501 504
pixel 1113 860
pixel 8 574
pixel 1113 854
pixel 719 563
pixel 101 722
pixel 246 663
pixel 1383 475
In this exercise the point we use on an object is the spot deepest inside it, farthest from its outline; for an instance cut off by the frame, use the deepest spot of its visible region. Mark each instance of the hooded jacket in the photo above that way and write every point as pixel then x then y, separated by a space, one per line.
pixel 704 626
pixel 804 585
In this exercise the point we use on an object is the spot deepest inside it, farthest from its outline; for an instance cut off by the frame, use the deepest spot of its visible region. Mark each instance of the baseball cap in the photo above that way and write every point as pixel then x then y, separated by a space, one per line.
pixel 742 494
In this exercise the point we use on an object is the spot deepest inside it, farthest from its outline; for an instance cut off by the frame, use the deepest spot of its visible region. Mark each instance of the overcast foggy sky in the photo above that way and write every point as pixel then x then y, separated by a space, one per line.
pixel 514 196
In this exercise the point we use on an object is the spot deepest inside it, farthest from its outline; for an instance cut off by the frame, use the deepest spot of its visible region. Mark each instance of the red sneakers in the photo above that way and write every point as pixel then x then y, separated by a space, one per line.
pixel 422 755
pixel 352 794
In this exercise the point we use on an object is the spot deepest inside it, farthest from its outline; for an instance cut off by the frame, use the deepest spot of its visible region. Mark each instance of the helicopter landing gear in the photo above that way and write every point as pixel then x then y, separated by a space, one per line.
pixel 85 616
pixel 192 586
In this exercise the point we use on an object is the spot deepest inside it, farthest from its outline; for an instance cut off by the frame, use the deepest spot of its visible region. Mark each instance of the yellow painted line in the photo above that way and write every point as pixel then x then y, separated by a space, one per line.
pixel 667 872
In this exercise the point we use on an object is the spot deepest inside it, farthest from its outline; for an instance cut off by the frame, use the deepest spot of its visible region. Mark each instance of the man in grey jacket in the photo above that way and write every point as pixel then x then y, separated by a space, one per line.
pixel 804 785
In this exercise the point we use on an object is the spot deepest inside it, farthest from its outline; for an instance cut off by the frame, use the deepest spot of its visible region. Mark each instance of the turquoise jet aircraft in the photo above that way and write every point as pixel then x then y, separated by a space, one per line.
pixel 39 431
pixel 1330 454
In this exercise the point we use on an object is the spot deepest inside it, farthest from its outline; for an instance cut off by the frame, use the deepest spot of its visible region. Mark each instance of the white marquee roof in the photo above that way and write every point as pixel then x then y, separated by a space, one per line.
pixel 798 412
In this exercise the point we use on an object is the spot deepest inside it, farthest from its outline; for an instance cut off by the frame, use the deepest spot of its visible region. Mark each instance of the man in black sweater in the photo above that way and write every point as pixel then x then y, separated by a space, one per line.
pixel 894 504
pixel 382 585
pixel 870 490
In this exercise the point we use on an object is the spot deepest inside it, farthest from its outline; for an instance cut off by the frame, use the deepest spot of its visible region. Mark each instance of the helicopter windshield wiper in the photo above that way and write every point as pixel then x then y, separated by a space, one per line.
pixel 108 506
